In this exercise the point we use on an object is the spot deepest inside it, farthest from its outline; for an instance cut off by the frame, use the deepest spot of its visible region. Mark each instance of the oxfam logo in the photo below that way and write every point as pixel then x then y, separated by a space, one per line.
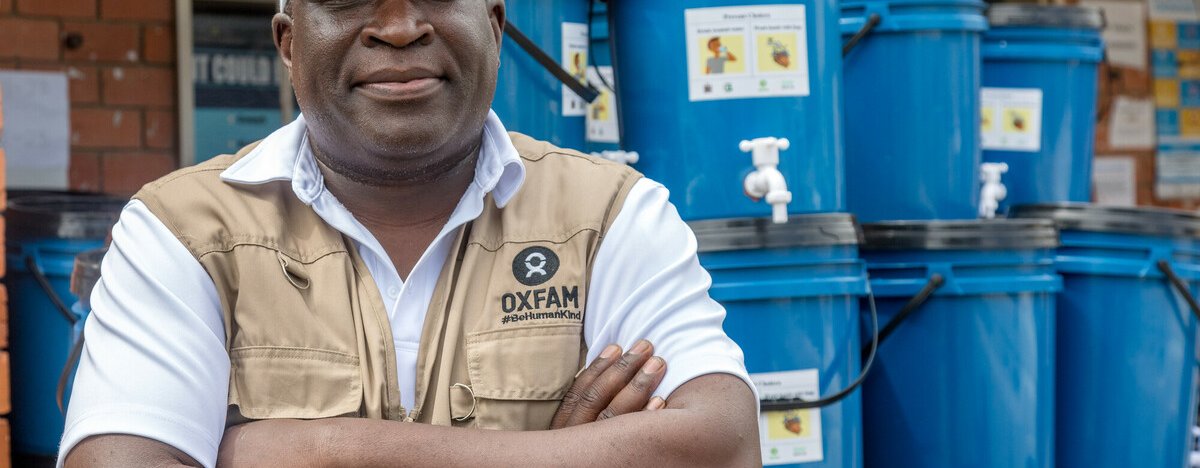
pixel 535 265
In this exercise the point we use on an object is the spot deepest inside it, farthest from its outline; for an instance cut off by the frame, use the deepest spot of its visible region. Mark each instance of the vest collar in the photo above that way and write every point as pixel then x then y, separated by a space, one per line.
pixel 285 156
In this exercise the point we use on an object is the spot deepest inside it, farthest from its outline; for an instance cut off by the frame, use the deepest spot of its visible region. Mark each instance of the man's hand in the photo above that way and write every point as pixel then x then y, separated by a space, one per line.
pixel 613 385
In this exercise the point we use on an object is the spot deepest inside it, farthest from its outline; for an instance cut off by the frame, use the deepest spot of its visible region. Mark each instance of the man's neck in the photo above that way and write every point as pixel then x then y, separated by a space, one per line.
pixel 400 205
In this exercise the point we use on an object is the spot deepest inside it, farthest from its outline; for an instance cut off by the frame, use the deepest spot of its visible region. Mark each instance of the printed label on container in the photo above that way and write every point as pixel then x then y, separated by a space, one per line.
pixel 1012 119
pixel 747 52
pixel 789 436
pixel 602 113
pixel 575 62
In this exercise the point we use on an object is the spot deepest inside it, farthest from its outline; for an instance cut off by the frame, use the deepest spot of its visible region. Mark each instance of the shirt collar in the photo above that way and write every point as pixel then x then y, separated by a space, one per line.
pixel 285 155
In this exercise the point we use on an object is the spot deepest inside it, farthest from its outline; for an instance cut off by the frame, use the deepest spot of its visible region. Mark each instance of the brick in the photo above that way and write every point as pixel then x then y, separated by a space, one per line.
pixel 106 128
pixel 125 173
pixel 158 44
pixel 58 8
pixel 5 444
pixel 83 172
pixel 82 81
pixel 156 10
pixel 160 130
pixel 5 384
pixel 138 86
pixel 104 42
pixel 3 316
pixel 6 6
pixel 29 38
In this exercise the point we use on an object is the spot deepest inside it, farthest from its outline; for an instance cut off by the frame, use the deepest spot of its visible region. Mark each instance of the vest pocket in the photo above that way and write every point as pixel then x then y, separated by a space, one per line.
pixel 520 375
pixel 294 383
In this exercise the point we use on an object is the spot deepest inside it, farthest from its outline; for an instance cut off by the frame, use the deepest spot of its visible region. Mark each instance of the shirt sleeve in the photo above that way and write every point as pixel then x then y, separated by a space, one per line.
pixel 154 362
pixel 648 283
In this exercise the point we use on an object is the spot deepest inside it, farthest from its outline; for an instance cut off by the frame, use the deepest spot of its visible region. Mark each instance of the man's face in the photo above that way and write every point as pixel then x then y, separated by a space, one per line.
pixel 392 88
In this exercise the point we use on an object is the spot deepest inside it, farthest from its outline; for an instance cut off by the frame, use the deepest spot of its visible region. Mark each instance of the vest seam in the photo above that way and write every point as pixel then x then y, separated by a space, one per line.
pixel 578 231
pixel 294 353
pixel 306 259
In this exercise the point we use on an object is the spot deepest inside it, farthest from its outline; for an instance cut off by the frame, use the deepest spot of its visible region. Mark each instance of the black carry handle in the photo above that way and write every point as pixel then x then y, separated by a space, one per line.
pixel 788 404
pixel 40 277
pixel 584 91
pixel 1180 287
pixel 65 375
pixel 936 281
pixel 872 21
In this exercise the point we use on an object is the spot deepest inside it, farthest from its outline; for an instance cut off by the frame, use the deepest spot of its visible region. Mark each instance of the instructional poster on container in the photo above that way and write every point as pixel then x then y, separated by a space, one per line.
pixel 602 113
pixel 575 61
pixel 747 52
pixel 1011 119
pixel 1178 173
pixel 789 436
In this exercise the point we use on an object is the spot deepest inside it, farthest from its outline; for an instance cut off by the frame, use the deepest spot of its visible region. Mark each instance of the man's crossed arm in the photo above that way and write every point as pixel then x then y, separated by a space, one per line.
pixel 607 418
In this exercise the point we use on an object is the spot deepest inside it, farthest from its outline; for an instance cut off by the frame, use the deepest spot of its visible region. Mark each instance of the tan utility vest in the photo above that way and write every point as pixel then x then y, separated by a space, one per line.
pixel 306 329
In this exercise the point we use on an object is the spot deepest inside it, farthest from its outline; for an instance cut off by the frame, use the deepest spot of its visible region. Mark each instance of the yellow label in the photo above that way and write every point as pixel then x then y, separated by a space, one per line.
pixel 1189 122
pixel 1163 35
pixel 987 119
pixel 776 52
pixel 1166 93
pixel 722 55
pixel 793 424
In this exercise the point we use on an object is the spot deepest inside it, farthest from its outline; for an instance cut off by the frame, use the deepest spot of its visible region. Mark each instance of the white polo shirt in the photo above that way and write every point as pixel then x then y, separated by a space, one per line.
pixel 155 365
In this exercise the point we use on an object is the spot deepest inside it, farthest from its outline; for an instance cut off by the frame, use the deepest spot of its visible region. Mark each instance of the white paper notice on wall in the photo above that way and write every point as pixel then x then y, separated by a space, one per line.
pixel 1132 123
pixel 1125 39
pixel 1177 173
pixel 1115 179
pixel 37 131
pixel 1011 119
pixel 747 52
pixel 602 113
pixel 575 61
pixel 789 436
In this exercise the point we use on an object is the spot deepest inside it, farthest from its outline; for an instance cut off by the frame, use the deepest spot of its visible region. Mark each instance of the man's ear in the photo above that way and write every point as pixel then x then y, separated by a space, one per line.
pixel 281 33
pixel 498 16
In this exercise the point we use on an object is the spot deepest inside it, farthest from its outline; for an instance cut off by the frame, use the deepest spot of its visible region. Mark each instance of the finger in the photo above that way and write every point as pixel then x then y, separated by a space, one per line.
pixel 600 393
pixel 583 381
pixel 636 396
pixel 656 403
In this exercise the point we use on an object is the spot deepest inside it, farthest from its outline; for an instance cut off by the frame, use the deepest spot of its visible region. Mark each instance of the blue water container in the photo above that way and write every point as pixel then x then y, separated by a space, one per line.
pixel 44 235
pixel 528 98
pixel 791 292
pixel 967 379
pixel 912 109
pixel 1127 357
pixel 1039 99
pixel 695 78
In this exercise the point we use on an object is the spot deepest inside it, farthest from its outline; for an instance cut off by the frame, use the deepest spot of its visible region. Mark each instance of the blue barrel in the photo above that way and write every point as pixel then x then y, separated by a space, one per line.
pixel 44 235
pixel 528 98
pixel 791 292
pixel 1127 357
pixel 1039 99
pixel 912 109
pixel 968 378
pixel 697 77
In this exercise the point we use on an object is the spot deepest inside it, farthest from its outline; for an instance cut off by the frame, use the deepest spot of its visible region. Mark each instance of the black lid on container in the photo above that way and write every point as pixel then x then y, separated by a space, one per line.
pixel 812 230
pixel 86 273
pixel 997 234
pixel 1050 16
pixel 63 216
pixel 1087 217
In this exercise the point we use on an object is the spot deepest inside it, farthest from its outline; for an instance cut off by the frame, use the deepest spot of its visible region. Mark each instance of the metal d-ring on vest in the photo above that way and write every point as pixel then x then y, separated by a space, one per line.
pixel 474 402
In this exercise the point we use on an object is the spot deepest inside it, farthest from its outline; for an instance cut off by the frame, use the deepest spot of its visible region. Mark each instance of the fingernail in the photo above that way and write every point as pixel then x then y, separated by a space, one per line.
pixel 656 403
pixel 641 347
pixel 610 351
pixel 653 365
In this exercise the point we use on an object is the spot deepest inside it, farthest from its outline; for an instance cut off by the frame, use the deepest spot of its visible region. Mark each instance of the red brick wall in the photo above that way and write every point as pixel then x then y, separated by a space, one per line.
pixel 122 82
pixel 5 380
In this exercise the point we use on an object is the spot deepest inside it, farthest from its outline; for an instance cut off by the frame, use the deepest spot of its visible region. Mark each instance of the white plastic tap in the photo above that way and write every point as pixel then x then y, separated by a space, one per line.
pixel 993 190
pixel 623 157
pixel 766 182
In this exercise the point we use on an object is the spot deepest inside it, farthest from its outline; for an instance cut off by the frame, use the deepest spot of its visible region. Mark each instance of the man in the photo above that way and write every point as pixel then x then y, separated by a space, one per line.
pixel 252 310
pixel 715 65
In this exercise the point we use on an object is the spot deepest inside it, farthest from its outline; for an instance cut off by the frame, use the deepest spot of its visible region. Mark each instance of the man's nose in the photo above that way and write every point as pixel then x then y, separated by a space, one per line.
pixel 397 23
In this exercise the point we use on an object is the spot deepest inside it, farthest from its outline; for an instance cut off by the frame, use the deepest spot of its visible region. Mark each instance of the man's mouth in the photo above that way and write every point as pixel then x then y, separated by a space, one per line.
pixel 394 84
